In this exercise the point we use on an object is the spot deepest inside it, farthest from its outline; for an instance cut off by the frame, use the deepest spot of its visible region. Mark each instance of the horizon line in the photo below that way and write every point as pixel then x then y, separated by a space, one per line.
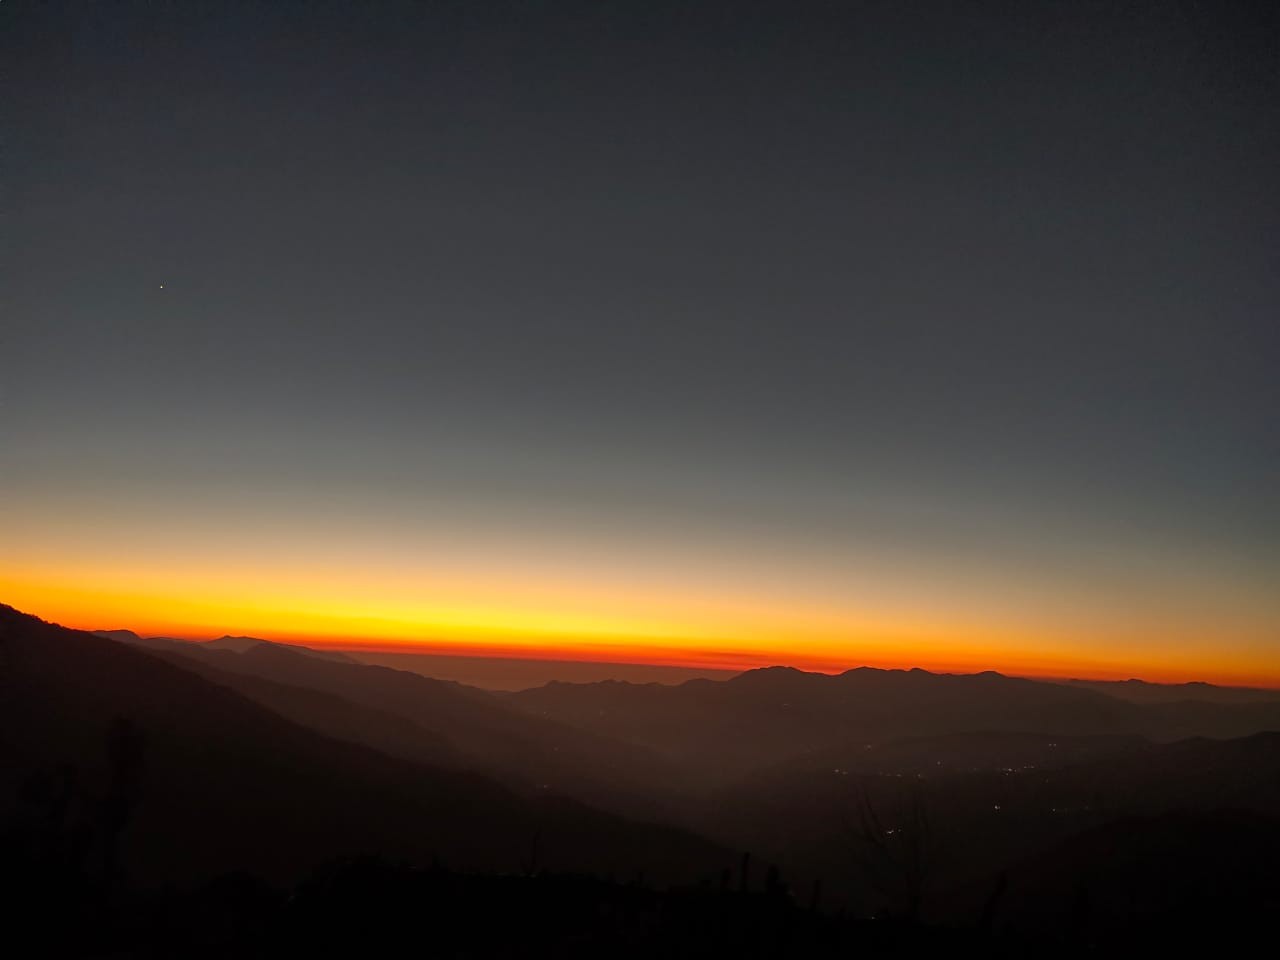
pixel 727 662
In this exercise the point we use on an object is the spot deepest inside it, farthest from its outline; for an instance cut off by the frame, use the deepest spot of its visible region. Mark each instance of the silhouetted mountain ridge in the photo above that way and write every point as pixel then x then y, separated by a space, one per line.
pixel 764 717
pixel 225 642
pixel 461 725
pixel 1144 691
pixel 255 757
pixel 208 781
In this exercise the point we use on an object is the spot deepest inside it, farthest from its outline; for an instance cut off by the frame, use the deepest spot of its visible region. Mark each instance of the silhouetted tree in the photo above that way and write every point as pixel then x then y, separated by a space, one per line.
pixel 893 855
pixel 530 866
pixel 126 747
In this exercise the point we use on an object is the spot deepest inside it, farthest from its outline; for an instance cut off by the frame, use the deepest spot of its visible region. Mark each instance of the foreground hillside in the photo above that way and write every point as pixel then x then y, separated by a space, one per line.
pixel 423 719
pixel 897 830
pixel 124 762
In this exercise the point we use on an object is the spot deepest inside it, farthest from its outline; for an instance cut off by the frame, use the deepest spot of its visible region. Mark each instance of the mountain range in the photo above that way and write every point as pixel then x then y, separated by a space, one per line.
pixel 918 794
pixel 213 781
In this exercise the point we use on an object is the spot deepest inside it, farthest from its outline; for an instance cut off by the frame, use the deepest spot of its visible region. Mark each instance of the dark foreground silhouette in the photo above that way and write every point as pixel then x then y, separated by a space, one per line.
pixel 372 907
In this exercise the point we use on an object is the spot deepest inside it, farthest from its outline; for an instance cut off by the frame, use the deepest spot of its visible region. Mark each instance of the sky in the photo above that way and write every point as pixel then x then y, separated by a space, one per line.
pixel 704 334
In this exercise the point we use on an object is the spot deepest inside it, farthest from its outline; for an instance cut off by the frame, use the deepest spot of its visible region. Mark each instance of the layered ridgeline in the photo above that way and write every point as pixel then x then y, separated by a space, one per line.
pixel 903 791
pixel 778 715
pixel 640 744
pixel 907 787
pixel 423 719
pixel 122 760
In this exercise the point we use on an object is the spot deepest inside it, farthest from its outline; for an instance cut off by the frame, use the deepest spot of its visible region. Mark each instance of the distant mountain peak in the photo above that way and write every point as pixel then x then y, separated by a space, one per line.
pixel 234 644
pixel 256 646
pixel 127 636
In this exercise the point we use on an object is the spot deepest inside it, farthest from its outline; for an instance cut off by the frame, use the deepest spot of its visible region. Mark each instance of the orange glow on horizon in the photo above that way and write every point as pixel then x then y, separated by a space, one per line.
pixel 712 599
pixel 678 633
